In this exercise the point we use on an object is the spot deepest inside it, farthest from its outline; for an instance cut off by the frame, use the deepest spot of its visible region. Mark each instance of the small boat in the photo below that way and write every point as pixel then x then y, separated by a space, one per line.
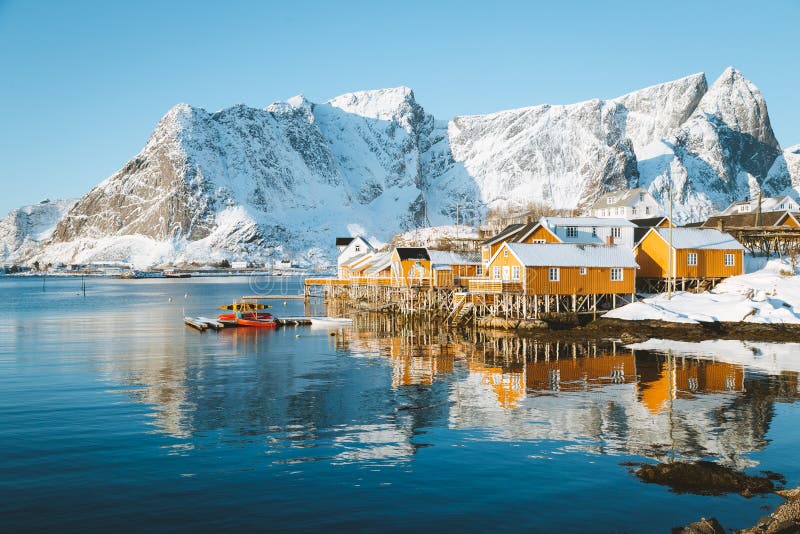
pixel 245 313
pixel 263 316
pixel 261 323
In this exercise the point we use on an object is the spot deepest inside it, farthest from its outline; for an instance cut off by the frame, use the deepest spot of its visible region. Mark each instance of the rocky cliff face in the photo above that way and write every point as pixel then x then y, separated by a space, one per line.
pixel 284 180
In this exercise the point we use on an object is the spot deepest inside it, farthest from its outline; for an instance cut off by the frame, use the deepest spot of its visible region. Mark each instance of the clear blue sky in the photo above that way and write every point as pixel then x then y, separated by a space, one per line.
pixel 84 83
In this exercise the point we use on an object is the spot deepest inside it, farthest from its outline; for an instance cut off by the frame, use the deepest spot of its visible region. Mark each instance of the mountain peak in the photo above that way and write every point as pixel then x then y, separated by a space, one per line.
pixel 735 101
pixel 382 104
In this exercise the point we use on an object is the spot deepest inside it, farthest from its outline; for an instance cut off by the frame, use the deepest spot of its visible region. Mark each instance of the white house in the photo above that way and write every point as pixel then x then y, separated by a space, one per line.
pixel 626 204
pixel 596 230
pixel 350 249
pixel 768 204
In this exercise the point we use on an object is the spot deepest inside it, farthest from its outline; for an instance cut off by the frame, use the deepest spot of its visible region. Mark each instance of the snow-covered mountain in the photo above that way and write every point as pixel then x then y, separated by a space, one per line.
pixel 285 180
pixel 24 229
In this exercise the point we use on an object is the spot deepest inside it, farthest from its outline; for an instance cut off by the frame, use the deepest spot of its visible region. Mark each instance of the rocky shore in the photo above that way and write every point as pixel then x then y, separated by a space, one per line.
pixel 568 328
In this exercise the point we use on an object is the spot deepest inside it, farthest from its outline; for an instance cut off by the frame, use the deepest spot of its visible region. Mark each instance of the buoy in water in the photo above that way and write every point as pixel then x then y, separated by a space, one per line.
pixel 169 299
pixel 297 335
pixel 284 303
pixel 186 295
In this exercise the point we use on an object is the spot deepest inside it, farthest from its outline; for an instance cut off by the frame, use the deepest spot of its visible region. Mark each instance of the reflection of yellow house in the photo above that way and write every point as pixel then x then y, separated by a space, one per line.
pixel 417 364
pixel 683 379
pixel 508 387
pixel 572 374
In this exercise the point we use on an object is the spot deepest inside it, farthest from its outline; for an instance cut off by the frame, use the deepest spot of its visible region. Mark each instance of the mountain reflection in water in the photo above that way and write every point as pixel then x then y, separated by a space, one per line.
pixel 598 398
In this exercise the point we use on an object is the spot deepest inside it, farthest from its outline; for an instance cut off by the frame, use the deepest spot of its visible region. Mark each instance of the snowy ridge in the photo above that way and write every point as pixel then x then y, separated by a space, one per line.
pixel 256 184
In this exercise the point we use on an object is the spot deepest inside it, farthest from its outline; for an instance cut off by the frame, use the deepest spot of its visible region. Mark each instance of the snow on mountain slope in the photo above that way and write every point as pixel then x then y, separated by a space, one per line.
pixel 247 183
pixel 723 152
pixel 25 228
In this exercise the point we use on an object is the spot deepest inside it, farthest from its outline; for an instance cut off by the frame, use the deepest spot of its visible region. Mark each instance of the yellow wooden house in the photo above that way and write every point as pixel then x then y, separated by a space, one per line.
pixel 696 254
pixel 564 269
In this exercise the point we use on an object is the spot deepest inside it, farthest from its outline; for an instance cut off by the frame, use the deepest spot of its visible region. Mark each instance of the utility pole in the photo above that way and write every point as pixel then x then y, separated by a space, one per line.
pixel 670 266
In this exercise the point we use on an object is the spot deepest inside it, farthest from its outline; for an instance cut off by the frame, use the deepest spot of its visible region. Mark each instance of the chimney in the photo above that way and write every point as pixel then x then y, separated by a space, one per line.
pixel 721 224
pixel 609 240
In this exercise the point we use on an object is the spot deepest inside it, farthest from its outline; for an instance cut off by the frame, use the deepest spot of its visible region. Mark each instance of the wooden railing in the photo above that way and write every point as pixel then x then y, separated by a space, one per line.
pixel 487 285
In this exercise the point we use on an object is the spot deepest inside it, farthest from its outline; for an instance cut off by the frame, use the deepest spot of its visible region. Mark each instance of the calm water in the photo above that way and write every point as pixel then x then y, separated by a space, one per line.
pixel 113 414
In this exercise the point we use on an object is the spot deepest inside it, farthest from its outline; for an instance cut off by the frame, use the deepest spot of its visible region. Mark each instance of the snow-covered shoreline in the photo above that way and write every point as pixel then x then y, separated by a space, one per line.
pixel 770 294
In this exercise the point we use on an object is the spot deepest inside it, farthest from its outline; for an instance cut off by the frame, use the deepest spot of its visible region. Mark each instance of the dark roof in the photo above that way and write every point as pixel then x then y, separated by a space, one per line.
pixel 639 232
pixel 741 220
pixel 649 222
pixel 344 241
pixel 523 232
pixel 413 253
pixel 504 234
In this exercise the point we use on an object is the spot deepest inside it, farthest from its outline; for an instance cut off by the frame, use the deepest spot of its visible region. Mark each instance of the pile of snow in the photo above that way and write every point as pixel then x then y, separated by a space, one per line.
pixel 768 295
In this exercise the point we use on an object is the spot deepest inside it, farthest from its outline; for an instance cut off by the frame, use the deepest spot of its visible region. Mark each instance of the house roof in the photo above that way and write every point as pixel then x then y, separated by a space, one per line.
pixel 343 241
pixel 412 253
pixel 649 222
pixel 699 238
pixel 380 262
pixel 585 221
pixel 739 220
pixel 573 255
pixel 526 231
pixel 504 234
pixel 443 257
pixel 619 198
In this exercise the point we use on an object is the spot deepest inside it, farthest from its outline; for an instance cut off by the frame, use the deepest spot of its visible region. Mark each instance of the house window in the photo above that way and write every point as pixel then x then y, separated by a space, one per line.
pixel 647 210
pixel 583 270
pixel 633 210
pixel 729 260
pixel 691 258
pixel 505 253
pixel 641 197
pixel 496 272
pixel 539 241
pixel 358 248
pixel 615 231
pixel 616 274
pixel 572 231
pixel 515 272
pixel 552 274
pixel 610 200
pixel 479 270
pixel 594 231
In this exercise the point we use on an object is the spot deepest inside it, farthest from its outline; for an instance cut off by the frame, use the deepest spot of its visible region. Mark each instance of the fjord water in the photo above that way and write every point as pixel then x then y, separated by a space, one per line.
pixel 114 415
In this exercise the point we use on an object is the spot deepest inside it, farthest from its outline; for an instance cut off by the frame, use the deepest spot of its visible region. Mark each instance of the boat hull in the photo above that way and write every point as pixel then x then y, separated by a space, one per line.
pixel 258 323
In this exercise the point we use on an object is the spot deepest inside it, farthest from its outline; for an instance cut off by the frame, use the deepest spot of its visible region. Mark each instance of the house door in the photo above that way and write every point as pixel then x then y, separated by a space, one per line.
pixel 506 272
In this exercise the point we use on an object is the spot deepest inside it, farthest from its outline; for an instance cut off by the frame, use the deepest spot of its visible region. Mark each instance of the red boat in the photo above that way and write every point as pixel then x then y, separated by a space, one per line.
pixel 262 323
pixel 245 315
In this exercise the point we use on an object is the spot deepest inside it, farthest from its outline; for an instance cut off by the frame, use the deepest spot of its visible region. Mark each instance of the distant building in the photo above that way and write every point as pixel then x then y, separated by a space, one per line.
pixel 769 219
pixel 238 265
pixel 768 204
pixel 282 265
pixel 591 230
pixel 350 250
pixel 626 204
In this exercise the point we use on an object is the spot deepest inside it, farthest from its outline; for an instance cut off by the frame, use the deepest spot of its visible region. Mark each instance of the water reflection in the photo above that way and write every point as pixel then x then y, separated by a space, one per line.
pixel 598 398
